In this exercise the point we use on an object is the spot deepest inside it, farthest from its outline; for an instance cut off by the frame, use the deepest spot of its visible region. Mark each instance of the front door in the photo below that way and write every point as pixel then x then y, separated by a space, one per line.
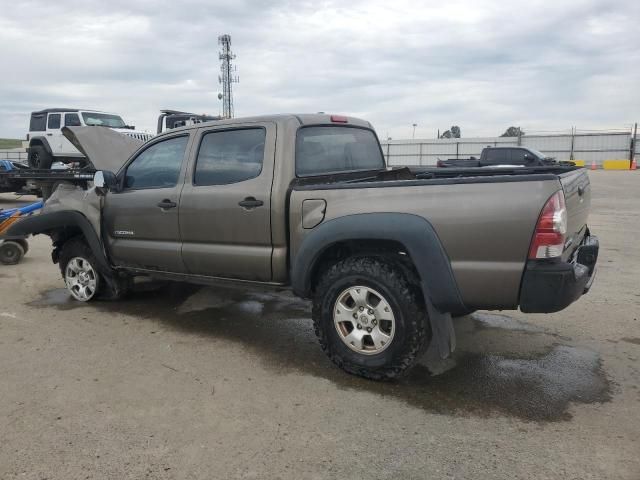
pixel 225 208
pixel 141 220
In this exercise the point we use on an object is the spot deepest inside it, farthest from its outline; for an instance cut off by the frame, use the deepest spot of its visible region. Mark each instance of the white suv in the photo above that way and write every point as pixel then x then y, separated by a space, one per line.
pixel 47 144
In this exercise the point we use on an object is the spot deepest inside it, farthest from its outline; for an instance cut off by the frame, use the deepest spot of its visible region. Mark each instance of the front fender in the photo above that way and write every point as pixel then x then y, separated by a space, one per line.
pixel 47 223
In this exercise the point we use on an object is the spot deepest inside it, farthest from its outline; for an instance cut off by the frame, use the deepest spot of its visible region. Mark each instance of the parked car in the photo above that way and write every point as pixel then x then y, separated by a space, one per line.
pixel 502 156
pixel 387 256
pixel 47 145
pixel 169 119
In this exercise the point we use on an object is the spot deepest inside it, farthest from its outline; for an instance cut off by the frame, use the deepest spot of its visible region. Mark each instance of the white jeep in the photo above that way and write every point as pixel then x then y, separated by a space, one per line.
pixel 47 144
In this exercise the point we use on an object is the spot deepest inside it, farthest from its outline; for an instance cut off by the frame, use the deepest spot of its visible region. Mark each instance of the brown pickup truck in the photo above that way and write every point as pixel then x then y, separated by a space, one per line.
pixel 388 256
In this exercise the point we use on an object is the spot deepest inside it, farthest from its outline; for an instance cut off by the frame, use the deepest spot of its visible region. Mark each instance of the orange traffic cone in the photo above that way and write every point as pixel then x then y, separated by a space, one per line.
pixel 634 165
pixel 593 165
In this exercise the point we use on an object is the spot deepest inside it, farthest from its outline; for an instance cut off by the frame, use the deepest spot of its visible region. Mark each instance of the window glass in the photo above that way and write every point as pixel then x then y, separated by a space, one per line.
pixel 71 120
pixel 322 150
pixel 103 120
pixel 38 122
pixel 158 166
pixel 54 121
pixel 497 156
pixel 230 156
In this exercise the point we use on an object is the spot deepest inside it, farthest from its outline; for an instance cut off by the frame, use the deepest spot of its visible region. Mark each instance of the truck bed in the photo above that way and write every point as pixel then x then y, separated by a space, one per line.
pixel 485 218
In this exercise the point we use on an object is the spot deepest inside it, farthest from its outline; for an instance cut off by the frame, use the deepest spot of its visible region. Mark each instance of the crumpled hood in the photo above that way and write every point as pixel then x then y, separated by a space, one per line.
pixel 104 148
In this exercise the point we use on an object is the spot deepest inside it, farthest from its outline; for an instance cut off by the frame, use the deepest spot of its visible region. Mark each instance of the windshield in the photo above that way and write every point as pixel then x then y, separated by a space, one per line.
pixel 323 150
pixel 103 120
pixel 538 153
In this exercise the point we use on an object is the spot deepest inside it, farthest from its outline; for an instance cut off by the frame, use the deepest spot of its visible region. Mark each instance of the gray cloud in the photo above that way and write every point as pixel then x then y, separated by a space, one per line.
pixel 481 65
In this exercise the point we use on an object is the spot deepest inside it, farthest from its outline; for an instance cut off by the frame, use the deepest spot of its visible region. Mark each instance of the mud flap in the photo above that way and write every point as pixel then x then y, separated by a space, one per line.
pixel 443 335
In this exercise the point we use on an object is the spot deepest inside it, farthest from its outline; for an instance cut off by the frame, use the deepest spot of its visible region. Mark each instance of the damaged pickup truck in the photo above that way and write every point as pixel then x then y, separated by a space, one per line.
pixel 387 255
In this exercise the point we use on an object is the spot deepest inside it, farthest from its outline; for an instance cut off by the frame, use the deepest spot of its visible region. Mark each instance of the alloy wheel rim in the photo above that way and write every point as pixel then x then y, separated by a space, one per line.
pixel 364 320
pixel 81 279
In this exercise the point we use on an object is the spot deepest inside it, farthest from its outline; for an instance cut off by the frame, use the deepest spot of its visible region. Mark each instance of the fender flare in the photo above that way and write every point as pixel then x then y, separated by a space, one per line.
pixel 46 222
pixel 43 141
pixel 439 287
pixel 414 232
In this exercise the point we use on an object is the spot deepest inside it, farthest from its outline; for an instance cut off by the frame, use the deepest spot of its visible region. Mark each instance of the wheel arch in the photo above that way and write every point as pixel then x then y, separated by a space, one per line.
pixel 40 142
pixel 61 226
pixel 408 233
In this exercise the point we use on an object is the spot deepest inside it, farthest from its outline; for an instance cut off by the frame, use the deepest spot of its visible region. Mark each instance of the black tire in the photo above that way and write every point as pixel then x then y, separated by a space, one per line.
pixel 109 286
pixel 401 290
pixel 11 252
pixel 39 158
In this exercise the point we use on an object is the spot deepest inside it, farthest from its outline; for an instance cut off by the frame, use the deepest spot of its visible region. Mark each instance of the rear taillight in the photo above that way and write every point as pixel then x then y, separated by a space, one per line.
pixel 339 119
pixel 551 229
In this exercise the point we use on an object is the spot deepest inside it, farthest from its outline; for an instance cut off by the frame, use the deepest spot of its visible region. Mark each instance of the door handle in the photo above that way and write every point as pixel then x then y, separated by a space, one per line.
pixel 166 203
pixel 49 134
pixel 250 203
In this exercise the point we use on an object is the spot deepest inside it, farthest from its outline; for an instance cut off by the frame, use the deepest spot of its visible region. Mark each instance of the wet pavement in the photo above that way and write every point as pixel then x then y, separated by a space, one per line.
pixel 181 381
pixel 526 373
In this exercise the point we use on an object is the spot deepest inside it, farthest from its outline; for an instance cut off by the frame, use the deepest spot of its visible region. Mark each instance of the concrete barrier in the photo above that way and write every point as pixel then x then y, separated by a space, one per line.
pixel 616 164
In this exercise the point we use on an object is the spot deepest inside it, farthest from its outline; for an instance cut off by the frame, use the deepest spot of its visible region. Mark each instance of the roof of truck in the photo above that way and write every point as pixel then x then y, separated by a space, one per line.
pixel 67 110
pixel 301 118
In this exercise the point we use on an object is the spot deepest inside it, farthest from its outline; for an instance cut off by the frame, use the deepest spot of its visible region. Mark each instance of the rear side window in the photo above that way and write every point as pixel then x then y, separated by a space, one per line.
pixel 324 150
pixel 230 156
pixel 158 166
pixel 54 121
pixel 71 120
pixel 497 156
pixel 38 122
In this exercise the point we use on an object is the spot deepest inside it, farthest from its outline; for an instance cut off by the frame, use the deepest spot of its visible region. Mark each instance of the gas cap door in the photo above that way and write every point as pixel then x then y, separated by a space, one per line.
pixel 313 211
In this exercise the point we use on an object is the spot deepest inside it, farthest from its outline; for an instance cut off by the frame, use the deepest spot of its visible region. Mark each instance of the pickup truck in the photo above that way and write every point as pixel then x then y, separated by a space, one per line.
pixel 387 256
pixel 499 156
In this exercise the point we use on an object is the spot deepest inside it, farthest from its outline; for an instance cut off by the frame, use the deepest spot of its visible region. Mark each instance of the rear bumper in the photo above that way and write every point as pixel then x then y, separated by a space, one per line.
pixel 552 286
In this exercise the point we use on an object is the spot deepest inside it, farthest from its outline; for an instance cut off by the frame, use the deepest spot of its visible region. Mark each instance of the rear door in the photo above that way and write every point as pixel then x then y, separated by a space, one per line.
pixel 141 221
pixel 496 156
pixel 225 207
pixel 54 135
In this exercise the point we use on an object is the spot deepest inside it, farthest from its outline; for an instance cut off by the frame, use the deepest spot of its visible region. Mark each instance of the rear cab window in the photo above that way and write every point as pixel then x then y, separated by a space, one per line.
pixel 322 150
pixel 38 122
pixel 497 156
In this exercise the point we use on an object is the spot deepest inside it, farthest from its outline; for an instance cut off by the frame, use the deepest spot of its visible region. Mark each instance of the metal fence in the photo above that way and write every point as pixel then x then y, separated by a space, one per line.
pixel 16 154
pixel 584 147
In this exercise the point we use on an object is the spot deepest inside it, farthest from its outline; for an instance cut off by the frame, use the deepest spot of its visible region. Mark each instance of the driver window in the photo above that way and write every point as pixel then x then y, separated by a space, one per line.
pixel 158 166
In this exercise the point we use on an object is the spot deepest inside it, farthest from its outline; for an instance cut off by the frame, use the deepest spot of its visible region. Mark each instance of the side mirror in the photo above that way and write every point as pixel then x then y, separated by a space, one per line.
pixel 104 181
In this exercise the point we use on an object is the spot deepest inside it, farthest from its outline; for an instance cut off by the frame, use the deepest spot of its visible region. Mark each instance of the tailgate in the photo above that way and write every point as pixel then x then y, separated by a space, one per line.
pixel 577 194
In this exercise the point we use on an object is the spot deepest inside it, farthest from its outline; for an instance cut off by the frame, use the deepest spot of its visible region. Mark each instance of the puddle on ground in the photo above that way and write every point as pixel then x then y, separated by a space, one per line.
pixel 503 366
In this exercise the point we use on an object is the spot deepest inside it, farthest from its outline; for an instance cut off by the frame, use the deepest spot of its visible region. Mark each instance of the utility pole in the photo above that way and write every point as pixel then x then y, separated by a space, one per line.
pixel 227 75
pixel 632 152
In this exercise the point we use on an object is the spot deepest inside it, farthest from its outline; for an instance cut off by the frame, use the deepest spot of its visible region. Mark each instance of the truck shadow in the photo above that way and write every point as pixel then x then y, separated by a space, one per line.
pixel 502 366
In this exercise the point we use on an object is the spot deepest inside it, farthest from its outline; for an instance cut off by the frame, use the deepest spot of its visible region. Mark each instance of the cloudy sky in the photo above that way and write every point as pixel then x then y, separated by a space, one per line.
pixel 483 65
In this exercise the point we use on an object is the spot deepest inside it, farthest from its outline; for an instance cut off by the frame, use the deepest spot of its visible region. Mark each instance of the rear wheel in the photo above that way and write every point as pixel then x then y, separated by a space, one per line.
pixel 369 317
pixel 11 252
pixel 39 158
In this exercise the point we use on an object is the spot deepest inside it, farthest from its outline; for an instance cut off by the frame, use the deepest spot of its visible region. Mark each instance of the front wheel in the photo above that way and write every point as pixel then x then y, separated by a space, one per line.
pixel 82 277
pixel 369 317
pixel 11 252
